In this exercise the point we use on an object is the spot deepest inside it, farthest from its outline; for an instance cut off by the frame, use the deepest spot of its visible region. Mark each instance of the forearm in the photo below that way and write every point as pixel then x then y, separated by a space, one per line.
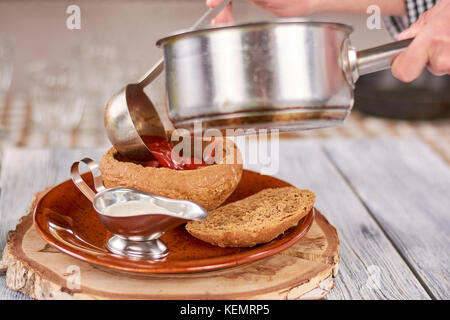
pixel 387 7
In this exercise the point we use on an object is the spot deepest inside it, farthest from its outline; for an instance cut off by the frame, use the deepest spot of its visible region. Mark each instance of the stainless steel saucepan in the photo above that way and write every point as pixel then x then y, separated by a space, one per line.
pixel 287 74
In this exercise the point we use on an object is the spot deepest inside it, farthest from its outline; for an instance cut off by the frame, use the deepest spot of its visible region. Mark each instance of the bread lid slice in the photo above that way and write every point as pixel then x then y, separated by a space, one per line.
pixel 256 219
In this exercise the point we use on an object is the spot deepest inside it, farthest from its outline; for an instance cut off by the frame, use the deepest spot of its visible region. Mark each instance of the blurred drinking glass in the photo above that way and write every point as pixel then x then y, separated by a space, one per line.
pixel 6 64
pixel 107 67
pixel 57 100
pixel 6 70
pixel 99 64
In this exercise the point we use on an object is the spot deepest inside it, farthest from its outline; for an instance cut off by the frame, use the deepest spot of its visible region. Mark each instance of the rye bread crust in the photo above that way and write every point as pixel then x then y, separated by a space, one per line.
pixel 257 219
pixel 209 186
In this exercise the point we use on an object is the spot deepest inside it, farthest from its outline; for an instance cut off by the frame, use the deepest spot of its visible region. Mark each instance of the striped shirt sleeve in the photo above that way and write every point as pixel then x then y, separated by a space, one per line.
pixel 414 9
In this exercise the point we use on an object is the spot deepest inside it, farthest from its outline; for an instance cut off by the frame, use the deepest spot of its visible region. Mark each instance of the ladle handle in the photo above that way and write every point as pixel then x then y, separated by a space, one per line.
pixel 210 14
pixel 158 67
pixel 81 184
pixel 152 74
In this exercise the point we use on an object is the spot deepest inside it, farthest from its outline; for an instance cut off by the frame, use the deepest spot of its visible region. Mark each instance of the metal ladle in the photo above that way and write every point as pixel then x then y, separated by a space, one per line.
pixel 129 114
pixel 135 236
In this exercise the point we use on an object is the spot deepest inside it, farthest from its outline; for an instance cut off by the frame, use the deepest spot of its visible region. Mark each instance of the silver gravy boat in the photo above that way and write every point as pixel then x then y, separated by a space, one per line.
pixel 135 236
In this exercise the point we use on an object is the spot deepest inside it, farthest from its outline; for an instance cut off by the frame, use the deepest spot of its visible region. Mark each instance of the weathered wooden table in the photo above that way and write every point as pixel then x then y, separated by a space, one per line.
pixel 389 199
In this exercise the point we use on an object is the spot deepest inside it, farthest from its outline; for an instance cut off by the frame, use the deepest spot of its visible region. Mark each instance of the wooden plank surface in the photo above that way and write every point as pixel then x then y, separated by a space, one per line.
pixel 25 172
pixel 406 187
pixel 370 268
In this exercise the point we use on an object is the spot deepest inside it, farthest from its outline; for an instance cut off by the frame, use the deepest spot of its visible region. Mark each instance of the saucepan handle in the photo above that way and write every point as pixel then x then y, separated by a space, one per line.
pixel 380 58
pixel 81 184
pixel 374 59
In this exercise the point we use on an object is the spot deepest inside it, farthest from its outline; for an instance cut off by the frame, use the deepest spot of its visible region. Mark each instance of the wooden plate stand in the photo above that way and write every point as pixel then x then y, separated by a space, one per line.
pixel 303 271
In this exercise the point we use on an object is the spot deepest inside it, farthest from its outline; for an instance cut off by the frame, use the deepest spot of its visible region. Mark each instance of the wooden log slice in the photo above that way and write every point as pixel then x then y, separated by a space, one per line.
pixel 304 271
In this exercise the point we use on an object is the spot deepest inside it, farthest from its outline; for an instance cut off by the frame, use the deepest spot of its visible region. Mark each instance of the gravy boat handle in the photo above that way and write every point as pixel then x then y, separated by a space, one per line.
pixel 81 184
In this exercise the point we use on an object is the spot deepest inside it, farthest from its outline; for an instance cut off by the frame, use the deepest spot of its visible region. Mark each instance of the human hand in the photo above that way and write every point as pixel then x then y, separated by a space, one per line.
pixel 281 8
pixel 430 47
pixel 295 8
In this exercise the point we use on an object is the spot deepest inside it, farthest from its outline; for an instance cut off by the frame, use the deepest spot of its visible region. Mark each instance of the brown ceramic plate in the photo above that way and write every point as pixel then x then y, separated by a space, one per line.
pixel 65 219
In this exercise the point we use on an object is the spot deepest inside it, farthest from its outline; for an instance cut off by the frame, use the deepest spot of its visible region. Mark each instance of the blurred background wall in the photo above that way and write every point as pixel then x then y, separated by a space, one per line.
pixel 115 45
pixel 133 26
